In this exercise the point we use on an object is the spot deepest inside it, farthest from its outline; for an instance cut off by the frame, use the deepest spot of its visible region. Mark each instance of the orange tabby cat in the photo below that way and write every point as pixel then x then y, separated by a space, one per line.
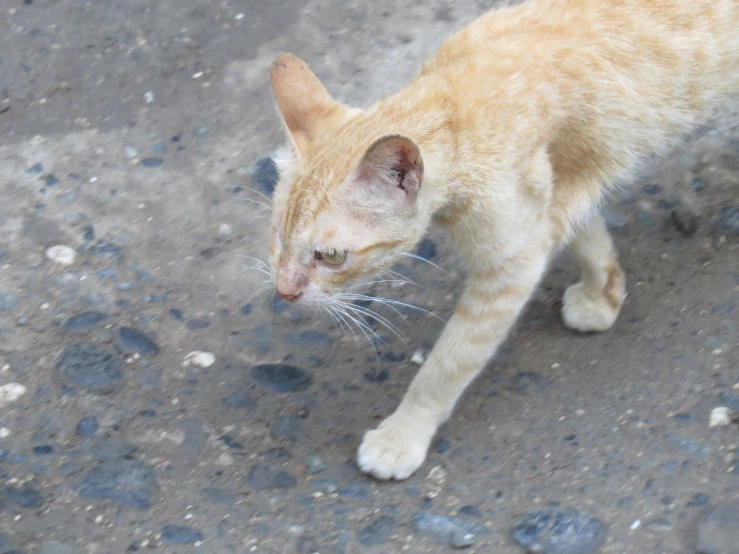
pixel 509 138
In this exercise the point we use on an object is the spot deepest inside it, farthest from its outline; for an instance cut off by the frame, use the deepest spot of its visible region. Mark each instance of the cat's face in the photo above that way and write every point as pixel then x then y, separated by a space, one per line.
pixel 346 202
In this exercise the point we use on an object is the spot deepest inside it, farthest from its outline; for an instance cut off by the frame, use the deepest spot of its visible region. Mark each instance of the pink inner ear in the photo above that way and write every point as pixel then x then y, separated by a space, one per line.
pixel 394 161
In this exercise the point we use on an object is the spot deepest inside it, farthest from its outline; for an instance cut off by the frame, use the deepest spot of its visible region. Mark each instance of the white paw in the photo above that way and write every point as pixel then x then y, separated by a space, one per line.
pixel 393 450
pixel 588 313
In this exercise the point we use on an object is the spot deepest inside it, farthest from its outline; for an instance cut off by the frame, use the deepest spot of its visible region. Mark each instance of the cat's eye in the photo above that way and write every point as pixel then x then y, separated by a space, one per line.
pixel 331 256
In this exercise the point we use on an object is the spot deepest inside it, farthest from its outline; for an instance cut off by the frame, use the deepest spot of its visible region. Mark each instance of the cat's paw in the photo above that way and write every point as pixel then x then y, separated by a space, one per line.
pixel 589 312
pixel 393 450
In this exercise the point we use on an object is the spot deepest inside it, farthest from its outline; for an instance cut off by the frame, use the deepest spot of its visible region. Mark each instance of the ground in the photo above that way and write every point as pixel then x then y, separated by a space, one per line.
pixel 130 132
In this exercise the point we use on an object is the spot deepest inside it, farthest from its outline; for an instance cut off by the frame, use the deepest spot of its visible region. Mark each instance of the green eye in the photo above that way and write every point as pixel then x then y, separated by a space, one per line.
pixel 332 256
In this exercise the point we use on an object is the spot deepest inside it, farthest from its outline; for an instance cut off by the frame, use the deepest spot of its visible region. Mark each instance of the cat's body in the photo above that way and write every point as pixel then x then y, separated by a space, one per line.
pixel 509 138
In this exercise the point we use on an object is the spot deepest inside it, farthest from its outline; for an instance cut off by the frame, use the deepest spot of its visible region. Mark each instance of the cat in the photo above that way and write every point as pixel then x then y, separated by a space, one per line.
pixel 509 139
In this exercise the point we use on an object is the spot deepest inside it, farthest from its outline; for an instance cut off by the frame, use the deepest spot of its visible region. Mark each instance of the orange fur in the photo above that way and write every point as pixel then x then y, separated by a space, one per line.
pixel 509 138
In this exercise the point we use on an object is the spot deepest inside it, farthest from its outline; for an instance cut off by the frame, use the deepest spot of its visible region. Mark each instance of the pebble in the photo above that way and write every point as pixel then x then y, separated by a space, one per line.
pixel 26 497
pixel 8 301
pixel 6 543
pixel 20 361
pixel 614 218
pixel 694 449
pixel 130 340
pixel 180 534
pixel 246 309
pixel 281 378
pixel 142 274
pixel 61 254
pixel 106 251
pixel 11 392
pixel 729 399
pixel 652 188
pixel 43 450
pixel 356 490
pixel 720 417
pixel 726 221
pixel 699 499
pixel 88 426
pixel 56 547
pixel 264 175
pixel 35 169
pixel 557 531
pixel 90 366
pixel 195 436
pixel 239 399
pixel 220 496
pixel 278 454
pixel 377 532
pixel 685 221
pixel 453 531
pixel 127 285
pixel 441 446
pixel 50 180
pixel 427 249
pixel 376 375
pixel 130 152
pixel 308 545
pixel 113 449
pixel 151 162
pixel 266 477
pixel 315 464
pixel 127 482
pixel 159 148
pixel 717 530
pixel 470 511
pixel 200 359
pixel 83 321
pixel 309 337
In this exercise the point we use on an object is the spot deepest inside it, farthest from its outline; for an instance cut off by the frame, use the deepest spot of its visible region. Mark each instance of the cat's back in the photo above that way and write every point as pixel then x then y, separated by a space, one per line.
pixel 704 30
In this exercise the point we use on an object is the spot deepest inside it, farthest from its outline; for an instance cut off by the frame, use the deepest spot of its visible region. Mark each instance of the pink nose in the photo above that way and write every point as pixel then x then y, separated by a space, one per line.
pixel 289 296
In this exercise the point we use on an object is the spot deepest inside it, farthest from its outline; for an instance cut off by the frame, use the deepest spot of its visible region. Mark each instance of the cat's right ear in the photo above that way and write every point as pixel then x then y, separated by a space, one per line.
pixel 303 102
pixel 392 168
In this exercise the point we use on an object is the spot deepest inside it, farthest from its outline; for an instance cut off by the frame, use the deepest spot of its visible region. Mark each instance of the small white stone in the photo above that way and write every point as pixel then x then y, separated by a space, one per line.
pixel 417 357
pixel 130 152
pixel 10 393
pixel 635 525
pixel 720 417
pixel 239 16
pixel 64 255
pixel 4 432
pixel 197 75
pixel 149 97
pixel 225 229
pixel 200 359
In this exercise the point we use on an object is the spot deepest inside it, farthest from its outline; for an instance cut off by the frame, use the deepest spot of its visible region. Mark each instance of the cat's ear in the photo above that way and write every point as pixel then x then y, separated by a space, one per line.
pixel 392 167
pixel 303 102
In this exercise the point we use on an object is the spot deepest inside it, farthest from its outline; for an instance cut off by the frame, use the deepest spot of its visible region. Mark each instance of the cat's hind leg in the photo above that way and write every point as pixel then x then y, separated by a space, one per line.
pixel 593 304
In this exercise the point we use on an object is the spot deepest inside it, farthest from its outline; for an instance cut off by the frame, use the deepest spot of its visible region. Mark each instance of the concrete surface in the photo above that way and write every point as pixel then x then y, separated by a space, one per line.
pixel 129 131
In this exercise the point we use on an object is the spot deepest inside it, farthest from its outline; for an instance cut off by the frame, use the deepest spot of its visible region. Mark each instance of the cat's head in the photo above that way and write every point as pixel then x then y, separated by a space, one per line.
pixel 347 200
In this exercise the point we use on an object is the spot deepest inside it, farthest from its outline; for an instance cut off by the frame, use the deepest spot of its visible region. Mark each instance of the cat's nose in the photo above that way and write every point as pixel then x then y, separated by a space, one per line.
pixel 289 296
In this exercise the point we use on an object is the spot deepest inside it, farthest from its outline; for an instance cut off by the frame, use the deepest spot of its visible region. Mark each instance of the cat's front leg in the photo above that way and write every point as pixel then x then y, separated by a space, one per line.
pixel 489 306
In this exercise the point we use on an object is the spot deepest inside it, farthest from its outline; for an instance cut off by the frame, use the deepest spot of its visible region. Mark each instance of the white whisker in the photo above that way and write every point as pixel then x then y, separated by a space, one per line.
pixel 256 202
pixel 358 310
pixel 409 255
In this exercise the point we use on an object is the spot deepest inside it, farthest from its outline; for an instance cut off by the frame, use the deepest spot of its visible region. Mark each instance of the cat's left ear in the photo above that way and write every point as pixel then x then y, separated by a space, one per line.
pixel 304 103
pixel 392 167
